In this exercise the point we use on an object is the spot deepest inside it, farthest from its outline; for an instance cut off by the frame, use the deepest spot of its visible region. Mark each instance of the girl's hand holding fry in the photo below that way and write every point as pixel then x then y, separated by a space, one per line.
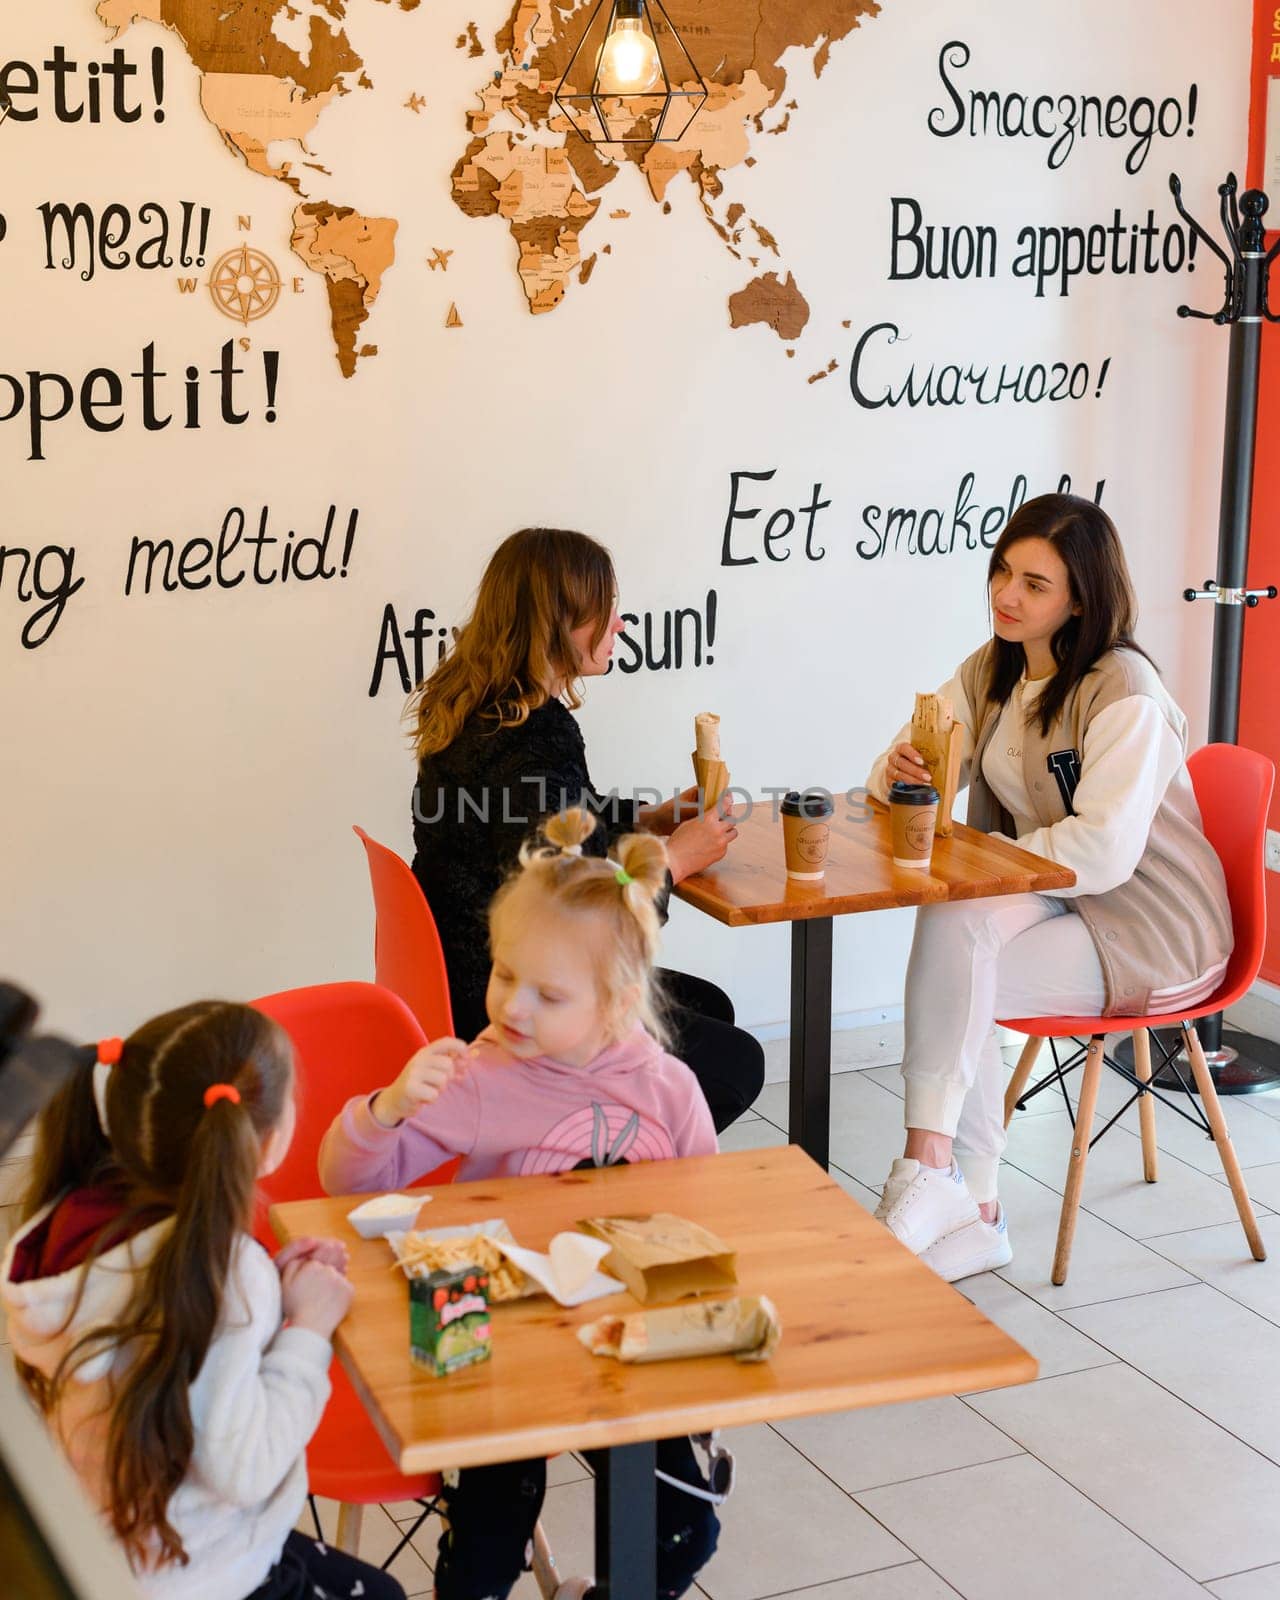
pixel 425 1076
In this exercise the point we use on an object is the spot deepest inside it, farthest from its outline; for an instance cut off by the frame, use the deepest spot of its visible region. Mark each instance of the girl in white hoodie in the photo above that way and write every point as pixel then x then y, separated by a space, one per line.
pixel 147 1322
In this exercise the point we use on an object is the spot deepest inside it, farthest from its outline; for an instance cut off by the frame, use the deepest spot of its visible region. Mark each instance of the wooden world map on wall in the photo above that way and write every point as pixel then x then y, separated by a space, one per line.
pixel 522 161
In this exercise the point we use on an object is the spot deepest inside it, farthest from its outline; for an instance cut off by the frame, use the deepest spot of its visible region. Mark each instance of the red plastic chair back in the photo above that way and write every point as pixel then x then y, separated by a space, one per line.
pixel 1233 788
pixel 349 1038
pixel 407 955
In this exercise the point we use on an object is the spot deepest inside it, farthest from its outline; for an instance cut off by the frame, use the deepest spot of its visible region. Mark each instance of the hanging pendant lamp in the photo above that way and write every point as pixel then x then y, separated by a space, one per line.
pixel 631 80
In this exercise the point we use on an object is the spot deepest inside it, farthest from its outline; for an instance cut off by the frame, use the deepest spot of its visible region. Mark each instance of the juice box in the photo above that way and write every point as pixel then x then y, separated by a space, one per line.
pixel 449 1319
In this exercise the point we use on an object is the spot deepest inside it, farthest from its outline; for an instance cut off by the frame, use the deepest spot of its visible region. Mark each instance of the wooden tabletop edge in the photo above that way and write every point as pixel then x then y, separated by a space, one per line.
pixel 1016 1366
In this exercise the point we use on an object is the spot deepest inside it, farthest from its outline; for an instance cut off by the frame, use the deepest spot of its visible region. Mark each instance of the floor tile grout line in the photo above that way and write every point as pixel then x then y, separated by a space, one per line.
pixel 1272 1318
pixel 1096 1366
pixel 1084 1206
pixel 1084 1494
pixel 822 1472
pixel 1243 1573
pixel 1201 1227
pixel 866 1510
pixel 848 1577
pixel 920 1477
pixel 1144 1244
pixel 1144 1294
pixel 1172 1393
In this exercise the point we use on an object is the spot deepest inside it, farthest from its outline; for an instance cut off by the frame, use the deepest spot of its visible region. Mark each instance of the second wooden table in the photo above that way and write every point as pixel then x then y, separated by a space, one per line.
pixel 750 887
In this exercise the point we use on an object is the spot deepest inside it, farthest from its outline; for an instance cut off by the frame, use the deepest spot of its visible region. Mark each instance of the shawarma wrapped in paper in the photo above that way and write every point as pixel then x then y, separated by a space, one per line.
pixel 709 771
pixel 746 1327
pixel 939 739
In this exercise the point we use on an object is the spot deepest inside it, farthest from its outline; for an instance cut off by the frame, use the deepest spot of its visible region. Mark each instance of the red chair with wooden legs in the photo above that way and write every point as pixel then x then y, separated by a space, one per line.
pixel 1233 788
pixel 407 955
pixel 348 1038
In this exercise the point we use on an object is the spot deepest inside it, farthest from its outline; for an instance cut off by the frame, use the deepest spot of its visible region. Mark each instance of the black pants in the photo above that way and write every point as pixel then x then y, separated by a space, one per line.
pixel 490 1514
pixel 307 1570
pixel 728 1063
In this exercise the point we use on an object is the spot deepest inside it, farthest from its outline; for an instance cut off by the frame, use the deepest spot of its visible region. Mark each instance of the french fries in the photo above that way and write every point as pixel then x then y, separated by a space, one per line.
pixel 421 1256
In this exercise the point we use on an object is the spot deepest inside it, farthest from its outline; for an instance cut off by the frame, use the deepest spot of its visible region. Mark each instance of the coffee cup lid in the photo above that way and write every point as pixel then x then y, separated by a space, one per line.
pixel 815 805
pixel 912 794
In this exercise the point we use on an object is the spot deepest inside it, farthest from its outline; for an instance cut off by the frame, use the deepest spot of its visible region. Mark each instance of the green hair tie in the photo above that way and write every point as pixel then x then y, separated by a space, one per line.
pixel 623 877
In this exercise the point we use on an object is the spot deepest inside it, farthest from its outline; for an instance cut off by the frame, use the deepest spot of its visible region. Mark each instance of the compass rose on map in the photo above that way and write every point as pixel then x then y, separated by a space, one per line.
pixel 245 284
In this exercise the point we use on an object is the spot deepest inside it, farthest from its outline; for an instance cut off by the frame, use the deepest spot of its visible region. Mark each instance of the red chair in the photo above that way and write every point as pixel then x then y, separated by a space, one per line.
pixel 407 955
pixel 348 1037
pixel 1233 788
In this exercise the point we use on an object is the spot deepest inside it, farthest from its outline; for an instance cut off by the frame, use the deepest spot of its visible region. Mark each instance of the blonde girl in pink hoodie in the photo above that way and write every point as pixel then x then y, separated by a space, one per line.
pixel 570 1072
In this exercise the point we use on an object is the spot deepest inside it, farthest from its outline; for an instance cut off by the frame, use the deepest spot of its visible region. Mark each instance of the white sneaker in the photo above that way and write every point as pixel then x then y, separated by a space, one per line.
pixel 921 1205
pixel 980 1247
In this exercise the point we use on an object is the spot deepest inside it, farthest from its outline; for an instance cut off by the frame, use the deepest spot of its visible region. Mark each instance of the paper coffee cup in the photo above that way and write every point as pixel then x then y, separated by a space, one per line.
pixel 913 816
pixel 806 833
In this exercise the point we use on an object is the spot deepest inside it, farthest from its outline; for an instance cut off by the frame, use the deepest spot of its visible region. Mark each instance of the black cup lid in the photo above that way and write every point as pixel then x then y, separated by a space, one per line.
pixel 815 805
pixel 912 794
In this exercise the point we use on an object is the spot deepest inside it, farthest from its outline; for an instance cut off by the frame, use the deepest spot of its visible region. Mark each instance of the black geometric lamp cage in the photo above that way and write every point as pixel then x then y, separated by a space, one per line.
pixel 631 80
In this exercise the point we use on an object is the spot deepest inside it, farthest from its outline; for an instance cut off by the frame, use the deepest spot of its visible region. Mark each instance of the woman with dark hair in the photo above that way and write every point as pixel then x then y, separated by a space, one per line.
pixel 499 751
pixel 1073 747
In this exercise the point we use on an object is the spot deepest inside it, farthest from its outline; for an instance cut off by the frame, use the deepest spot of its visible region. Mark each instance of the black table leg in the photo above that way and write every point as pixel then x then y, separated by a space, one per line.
pixel 626 1523
pixel 810 1114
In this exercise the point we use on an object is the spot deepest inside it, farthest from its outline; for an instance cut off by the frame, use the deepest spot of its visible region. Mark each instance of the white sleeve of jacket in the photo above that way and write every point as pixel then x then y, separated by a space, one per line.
pixel 261 1391
pixel 1130 755
pixel 953 690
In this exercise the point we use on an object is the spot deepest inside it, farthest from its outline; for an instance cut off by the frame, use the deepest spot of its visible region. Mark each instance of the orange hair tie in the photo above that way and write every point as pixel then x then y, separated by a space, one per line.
pixel 221 1091
pixel 110 1051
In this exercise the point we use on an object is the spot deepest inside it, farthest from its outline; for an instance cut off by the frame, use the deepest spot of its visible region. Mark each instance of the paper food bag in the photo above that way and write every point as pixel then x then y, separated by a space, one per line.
pixel 661 1257
pixel 746 1328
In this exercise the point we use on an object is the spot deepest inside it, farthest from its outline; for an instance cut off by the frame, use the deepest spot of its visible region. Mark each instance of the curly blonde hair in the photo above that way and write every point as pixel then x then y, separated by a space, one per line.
pixel 514 652
pixel 554 876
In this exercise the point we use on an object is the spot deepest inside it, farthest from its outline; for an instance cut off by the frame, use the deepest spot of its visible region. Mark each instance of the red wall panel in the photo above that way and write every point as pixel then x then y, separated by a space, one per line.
pixel 1260 692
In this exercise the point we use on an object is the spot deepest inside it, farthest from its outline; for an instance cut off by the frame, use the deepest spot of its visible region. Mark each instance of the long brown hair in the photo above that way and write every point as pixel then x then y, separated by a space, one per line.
pixel 540 584
pixel 169 1155
pixel 1085 537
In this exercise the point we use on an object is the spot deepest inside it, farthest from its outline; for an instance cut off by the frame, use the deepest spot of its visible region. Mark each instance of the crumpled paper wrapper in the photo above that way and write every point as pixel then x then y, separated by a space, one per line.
pixel 746 1327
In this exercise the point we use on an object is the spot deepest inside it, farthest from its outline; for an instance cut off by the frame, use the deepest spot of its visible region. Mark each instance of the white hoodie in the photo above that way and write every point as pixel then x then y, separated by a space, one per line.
pixel 254 1405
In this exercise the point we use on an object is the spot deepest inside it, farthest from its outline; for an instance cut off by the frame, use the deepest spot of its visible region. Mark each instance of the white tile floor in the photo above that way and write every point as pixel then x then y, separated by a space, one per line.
pixel 1144 1463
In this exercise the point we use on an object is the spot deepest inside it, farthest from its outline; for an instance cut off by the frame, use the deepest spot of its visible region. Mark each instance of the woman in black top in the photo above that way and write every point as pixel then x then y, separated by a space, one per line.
pixel 499 750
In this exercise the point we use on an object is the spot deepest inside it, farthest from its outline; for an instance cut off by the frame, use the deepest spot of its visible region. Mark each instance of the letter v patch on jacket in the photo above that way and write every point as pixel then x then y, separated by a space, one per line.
pixel 1065 766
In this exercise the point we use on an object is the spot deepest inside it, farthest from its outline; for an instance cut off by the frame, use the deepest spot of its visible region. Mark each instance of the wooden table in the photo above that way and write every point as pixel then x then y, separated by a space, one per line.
pixel 750 887
pixel 864 1323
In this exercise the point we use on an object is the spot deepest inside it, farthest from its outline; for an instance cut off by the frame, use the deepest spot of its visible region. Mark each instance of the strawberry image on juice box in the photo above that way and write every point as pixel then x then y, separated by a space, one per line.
pixel 449 1319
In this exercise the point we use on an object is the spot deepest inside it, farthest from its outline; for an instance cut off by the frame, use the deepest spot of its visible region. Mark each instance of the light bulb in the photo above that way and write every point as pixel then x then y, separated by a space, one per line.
pixel 629 61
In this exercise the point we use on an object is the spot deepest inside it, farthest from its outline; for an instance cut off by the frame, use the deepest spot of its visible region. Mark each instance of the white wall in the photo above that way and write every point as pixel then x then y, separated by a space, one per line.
pixel 181 769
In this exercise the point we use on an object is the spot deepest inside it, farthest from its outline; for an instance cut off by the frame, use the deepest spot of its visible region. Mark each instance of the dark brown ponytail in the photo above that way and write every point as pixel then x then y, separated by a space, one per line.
pixel 197 1163
pixel 71 1149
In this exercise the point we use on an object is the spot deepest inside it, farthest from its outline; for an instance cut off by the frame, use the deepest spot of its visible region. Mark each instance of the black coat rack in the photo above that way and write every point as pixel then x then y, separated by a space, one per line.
pixel 1240 1063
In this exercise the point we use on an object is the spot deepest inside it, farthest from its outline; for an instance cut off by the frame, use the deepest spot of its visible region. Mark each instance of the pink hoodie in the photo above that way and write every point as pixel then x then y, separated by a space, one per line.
pixel 508 1118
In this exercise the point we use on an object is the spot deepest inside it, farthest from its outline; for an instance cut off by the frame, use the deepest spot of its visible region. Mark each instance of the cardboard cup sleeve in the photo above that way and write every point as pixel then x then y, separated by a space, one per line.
pixel 746 1327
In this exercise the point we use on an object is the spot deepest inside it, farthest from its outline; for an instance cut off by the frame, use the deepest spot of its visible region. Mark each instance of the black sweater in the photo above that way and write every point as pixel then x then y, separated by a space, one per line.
pixel 474 805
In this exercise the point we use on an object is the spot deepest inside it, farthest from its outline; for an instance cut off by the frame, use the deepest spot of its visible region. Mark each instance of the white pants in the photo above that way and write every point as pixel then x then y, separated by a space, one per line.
pixel 971 962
